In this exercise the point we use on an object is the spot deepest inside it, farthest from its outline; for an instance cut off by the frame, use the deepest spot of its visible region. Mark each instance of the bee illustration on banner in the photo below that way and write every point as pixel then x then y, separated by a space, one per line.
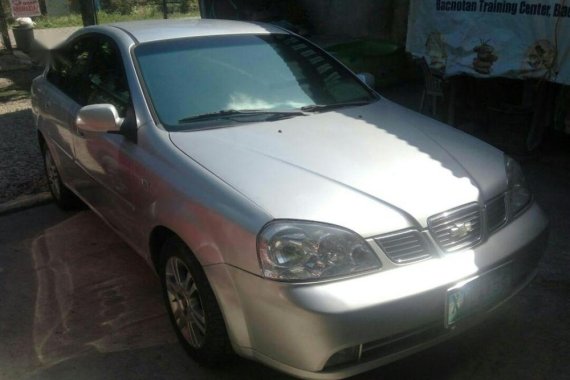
pixel 486 57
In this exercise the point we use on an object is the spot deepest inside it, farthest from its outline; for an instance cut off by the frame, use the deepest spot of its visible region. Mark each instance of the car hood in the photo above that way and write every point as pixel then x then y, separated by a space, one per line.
pixel 373 168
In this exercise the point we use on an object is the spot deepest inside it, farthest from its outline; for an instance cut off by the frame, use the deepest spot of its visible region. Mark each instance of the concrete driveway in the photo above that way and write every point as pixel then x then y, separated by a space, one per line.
pixel 77 303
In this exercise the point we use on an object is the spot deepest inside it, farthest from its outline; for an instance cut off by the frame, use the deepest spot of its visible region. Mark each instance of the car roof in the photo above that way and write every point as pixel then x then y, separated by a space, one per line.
pixel 154 30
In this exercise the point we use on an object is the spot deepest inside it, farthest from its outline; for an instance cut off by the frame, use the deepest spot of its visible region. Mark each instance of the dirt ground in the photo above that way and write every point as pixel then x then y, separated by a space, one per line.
pixel 21 168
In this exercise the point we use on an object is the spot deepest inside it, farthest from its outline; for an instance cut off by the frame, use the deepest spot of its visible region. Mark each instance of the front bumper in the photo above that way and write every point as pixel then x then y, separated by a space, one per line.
pixel 386 315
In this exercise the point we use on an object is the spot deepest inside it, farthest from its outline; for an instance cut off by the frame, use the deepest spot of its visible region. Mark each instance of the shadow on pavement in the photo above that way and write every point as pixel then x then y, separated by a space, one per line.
pixel 92 295
pixel 99 312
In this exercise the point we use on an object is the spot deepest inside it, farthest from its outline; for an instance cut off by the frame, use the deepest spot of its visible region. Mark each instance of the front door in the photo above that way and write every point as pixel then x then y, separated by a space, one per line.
pixel 104 158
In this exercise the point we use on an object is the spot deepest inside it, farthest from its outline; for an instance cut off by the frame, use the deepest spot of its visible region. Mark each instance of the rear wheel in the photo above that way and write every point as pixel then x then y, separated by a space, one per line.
pixel 62 196
pixel 192 305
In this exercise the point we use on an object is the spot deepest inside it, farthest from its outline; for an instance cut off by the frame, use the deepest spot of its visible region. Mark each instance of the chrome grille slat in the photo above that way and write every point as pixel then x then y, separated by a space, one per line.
pixel 447 235
pixel 404 252
pixel 404 247
pixel 408 249
pixel 446 221
pixel 465 220
pixel 407 245
pixel 403 240
pixel 405 259
pixel 400 243
pixel 457 242
pixel 411 249
pixel 445 231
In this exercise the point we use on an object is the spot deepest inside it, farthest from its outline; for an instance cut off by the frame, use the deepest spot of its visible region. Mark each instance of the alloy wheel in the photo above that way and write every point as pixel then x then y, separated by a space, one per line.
pixel 184 301
pixel 52 175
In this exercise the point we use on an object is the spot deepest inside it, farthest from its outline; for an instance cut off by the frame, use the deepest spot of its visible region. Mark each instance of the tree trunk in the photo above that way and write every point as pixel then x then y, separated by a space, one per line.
pixel 87 12
pixel 4 28
pixel 43 7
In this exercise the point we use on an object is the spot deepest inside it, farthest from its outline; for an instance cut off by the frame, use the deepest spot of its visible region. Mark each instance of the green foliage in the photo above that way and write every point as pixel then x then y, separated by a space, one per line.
pixel 122 7
pixel 122 10
pixel 189 6
pixel 73 19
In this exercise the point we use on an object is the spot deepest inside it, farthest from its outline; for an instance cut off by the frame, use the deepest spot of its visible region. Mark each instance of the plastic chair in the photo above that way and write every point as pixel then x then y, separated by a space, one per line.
pixel 433 87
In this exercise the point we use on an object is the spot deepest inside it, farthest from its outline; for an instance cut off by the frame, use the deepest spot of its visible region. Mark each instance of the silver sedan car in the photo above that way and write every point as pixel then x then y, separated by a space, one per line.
pixel 293 215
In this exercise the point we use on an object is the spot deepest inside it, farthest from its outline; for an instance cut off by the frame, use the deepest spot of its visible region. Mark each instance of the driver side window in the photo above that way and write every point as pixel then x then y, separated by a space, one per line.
pixel 90 71
pixel 69 67
pixel 107 79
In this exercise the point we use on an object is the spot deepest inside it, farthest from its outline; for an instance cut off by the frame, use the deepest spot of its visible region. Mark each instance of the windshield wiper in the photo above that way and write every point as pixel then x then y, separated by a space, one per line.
pixel 327 107
pixel 231 113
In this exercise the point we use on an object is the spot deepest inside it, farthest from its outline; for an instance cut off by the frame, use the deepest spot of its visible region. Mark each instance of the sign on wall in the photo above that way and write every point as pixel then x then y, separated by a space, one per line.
pixel 484 38
pixel 25 8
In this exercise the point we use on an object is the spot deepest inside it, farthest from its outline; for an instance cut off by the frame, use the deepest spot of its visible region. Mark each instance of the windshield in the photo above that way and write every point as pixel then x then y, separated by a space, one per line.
pixel 188 78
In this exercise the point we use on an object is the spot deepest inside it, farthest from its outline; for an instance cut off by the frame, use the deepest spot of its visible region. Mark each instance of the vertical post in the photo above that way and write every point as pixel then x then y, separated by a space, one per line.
pixel 94 5
pixel 87 12
pixel 164 9
pixel 4 28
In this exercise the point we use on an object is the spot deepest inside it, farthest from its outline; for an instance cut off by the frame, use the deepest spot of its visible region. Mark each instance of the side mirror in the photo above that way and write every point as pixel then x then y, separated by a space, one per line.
pixel 367 78
pixel 99 118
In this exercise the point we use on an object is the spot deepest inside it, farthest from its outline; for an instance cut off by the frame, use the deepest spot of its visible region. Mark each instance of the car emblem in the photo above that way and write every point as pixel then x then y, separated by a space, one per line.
pixel 460 230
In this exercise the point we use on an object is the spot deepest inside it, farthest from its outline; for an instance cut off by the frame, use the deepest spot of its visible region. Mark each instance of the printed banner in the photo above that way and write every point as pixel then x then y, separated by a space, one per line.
pixel 516 39
pixel 25 8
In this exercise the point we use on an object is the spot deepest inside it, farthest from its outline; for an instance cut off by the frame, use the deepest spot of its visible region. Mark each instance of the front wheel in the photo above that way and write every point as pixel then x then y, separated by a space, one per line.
pixel 192 305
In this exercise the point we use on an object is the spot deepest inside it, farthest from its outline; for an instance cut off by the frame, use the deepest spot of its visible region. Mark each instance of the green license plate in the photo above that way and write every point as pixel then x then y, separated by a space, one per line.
pixel 477 294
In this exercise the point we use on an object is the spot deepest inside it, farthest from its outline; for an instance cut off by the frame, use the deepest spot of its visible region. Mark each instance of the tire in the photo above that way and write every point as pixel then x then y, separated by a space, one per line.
pixel 62 196
pixel 192 305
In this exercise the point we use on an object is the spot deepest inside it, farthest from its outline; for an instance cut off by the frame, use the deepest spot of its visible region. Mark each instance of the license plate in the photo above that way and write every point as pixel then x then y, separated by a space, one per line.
pixel 477 294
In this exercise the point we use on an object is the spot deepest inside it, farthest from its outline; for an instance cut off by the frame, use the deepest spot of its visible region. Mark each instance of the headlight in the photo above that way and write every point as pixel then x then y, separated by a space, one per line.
pixel 295 250
pixel 519 194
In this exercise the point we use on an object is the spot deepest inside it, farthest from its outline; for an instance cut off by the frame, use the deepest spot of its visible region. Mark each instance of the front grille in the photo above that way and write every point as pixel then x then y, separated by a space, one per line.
pixel 401 342
pixel 496 213
pixel 386 346
pixel 404 247
pixel 457 229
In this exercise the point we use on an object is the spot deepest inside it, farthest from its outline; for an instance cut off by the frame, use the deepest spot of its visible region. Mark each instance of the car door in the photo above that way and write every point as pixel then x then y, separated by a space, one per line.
pixel 105 158
pixel 57 100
